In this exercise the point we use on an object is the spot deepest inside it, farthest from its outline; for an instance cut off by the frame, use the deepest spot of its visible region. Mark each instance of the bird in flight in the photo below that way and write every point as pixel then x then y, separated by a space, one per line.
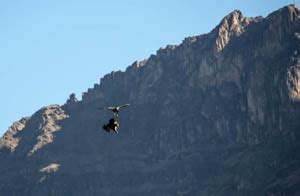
pixel 115 109
pixel 112 125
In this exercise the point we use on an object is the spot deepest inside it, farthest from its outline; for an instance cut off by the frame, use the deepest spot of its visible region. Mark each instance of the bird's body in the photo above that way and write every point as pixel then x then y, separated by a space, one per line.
pixel 112 125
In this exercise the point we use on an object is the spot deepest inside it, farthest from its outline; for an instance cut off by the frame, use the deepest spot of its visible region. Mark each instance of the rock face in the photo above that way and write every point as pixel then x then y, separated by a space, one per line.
pixel 216 115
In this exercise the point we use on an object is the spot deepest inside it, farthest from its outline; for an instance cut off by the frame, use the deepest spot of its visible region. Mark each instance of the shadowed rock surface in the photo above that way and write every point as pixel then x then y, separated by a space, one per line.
pixel 216 115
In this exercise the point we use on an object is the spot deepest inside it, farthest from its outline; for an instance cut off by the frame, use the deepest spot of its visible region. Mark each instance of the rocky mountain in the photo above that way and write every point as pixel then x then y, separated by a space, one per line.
pixel 218 114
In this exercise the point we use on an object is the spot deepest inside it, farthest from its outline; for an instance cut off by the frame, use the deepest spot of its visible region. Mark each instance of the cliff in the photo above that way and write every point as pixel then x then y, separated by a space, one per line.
pixel 217 114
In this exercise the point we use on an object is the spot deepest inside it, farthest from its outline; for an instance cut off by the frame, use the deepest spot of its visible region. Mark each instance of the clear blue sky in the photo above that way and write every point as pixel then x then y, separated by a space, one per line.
pixel 51 48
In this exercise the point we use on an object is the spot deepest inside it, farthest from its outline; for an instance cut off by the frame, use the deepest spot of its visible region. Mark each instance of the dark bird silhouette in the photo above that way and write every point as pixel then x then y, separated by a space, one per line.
pixel 112 125
pixel 115 109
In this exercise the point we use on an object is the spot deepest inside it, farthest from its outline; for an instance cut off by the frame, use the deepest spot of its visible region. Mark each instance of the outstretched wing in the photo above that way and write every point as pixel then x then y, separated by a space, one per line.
pixel 113 107
pixel 105 108
pixel 124 105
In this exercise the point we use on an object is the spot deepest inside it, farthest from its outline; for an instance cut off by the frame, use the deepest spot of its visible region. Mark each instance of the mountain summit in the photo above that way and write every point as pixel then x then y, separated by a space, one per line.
pixel 233 25
pixel 216 115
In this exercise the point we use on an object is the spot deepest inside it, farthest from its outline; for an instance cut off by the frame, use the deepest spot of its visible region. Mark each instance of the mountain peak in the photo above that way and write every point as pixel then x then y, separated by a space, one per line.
pixel 290 12
pixel 231 25
pixel 46 122
pixel 235 14
pixel 290 8
pixel 9 140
